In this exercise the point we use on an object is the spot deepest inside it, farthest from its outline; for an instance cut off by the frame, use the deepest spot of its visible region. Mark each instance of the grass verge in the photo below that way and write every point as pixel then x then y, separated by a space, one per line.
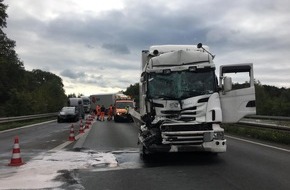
pixel 281 137
pixel 12 125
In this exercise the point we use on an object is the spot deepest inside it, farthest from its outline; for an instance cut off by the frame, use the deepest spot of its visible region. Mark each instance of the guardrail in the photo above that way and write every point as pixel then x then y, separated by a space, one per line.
pixel 243 122
pixel 263 122
pixel 280 118
pixel 265 125
pixel 27 117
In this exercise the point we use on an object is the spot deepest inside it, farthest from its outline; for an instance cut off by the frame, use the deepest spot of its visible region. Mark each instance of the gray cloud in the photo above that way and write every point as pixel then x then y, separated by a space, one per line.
pixel 93 49
pixel 72 74
pixel 117 48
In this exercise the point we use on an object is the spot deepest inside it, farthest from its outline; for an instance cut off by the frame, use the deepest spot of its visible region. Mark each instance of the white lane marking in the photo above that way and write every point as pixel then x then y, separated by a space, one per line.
pixel 63 145
pixel 260 144
pixel 27 126
pixel 59 147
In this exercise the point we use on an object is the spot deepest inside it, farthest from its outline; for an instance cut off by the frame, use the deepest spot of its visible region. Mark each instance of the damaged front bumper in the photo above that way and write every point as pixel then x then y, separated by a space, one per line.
pixel 215 146
pixel 183 141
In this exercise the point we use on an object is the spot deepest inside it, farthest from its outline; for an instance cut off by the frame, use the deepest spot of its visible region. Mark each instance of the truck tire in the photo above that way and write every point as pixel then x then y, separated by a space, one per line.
pixel 145 155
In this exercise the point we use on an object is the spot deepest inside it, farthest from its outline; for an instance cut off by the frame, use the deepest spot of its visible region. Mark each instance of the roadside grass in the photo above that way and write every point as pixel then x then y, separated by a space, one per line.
pixel 12 125
pixel 276 136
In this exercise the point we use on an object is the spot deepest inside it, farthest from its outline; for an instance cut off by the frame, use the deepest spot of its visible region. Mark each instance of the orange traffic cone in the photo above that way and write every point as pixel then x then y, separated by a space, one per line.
pixel 72 134
pixel 88 122
pixel 81 130
pixel 87 126
pixel 16 159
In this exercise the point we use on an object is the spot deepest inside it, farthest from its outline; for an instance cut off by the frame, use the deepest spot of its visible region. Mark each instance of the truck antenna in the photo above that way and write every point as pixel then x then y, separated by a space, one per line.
pixel 199 45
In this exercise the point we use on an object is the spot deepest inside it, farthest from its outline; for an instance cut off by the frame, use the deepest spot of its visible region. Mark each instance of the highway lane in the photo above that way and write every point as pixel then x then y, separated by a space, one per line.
pixel 110 136
pixel 244 166
pixel 34 139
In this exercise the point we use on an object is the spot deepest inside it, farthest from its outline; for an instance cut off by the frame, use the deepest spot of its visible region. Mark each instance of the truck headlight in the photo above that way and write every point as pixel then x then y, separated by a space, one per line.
pixel 219 135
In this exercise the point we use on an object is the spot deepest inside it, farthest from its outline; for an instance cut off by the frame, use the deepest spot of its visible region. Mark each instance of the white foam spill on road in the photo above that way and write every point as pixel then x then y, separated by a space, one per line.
pixel 42 170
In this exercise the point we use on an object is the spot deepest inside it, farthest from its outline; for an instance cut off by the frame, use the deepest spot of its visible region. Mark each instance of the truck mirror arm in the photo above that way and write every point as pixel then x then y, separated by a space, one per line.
pixel 199 45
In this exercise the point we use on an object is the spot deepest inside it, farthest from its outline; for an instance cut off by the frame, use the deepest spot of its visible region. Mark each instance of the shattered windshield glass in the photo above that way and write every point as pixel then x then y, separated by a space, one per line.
pixel 181 84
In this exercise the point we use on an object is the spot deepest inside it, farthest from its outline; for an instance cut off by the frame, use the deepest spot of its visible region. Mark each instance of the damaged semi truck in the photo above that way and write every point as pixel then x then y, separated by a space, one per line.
pixel 182 103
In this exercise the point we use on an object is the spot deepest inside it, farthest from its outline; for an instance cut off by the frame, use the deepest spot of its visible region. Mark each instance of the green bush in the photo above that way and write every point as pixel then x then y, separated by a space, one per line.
pixel 282 137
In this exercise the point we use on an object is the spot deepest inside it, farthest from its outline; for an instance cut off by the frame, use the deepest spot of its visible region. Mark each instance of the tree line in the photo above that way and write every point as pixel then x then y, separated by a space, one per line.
pixel 25 92
pixel 272 101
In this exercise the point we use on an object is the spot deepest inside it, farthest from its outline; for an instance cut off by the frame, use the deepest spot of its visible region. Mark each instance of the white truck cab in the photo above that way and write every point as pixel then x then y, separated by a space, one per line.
pixel 182 103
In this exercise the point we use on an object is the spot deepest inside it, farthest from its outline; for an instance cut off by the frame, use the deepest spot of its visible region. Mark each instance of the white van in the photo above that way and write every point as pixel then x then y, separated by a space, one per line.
pixel 78 103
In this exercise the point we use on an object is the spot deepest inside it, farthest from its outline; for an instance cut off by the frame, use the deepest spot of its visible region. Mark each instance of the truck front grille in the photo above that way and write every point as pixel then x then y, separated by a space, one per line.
pixel 169 127
pixel 193 134
pixel 175 138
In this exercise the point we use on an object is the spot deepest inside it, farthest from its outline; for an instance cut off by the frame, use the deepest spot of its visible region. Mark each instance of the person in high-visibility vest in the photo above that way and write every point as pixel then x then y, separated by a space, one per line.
pixel 103 109
pixel 98 110
pixel 127 109
pixel 110 112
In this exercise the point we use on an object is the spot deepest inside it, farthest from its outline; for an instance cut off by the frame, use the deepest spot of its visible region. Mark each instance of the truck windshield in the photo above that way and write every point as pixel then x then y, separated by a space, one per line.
pixel 86 102
pixel 123 105
pixel 181 84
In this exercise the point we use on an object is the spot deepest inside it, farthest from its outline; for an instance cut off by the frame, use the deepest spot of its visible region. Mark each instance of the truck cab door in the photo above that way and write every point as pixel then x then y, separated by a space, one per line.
pixel 237 99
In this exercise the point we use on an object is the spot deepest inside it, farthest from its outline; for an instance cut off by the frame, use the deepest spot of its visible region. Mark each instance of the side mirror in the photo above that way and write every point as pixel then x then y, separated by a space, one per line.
pixel 228 84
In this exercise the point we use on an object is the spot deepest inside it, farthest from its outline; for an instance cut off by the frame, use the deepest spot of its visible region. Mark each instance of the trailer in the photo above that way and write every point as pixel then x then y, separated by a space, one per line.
pixel 102 99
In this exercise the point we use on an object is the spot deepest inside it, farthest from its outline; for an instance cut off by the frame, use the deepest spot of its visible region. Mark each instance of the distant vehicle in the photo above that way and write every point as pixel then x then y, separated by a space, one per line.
pixel 120 101
pixel 86 103
pixel 102 99
pixel 121 105
pixel 78 103
pixel 68 114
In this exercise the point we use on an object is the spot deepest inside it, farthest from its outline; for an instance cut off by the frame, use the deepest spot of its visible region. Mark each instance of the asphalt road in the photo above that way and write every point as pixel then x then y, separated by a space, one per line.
pixel 245 165
pixel 34 139
pixel 112 136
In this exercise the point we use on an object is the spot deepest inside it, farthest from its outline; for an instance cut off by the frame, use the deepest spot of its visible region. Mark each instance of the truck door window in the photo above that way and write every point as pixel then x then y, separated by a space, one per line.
pixel 240 80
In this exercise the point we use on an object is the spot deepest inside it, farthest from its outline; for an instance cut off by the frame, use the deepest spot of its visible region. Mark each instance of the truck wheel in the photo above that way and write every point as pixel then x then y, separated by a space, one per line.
pixel 215 154
pixel 145 155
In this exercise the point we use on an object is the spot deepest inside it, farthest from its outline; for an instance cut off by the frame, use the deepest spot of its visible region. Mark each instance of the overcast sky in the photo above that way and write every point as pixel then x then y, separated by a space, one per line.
pixel 95 46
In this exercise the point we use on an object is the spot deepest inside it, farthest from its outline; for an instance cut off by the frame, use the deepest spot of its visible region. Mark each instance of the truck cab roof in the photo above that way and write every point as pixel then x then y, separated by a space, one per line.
pixel 171 48
pixel 181 58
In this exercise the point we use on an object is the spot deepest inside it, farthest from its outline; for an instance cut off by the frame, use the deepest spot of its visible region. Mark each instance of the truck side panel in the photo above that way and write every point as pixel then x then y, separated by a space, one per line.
pixel 102 99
